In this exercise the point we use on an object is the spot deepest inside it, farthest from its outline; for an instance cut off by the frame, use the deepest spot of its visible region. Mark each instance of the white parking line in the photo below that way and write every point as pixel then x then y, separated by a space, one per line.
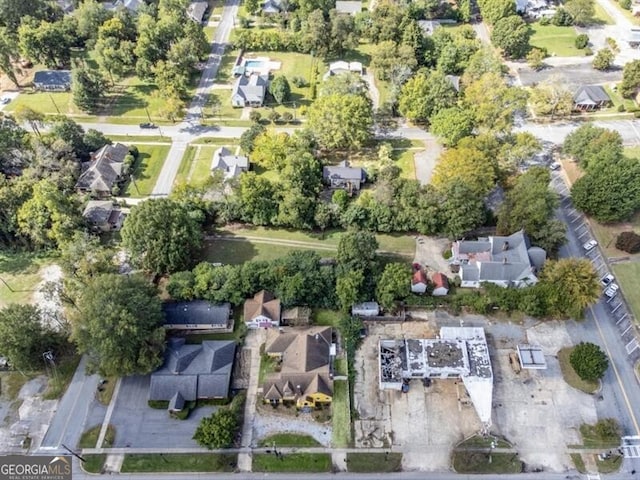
pixel 622 318
pixel 626 330
pixel 617 307
pixel 632 345
pixel 582 234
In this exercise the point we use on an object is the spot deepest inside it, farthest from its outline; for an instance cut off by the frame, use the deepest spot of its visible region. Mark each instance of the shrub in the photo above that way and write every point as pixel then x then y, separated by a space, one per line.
pixel 621 108
pixel 274 116
pixel 589 361
pixel 299 81
pixel 255 116
pixel 133 150
pixel 544 21
pixel 581 41
pixel 286 117
pixel 628 241
pixel 626 4
pixel 562 18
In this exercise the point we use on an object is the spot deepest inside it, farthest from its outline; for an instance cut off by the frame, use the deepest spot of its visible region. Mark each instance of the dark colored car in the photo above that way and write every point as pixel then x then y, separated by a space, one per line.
pixel 148 125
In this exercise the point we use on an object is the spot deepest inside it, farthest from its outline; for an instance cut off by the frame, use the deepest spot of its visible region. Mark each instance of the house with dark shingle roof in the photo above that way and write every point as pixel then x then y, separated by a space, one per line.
pixel 103 215
pixel 262 311
pixel 344 176
pixel 505 261
pixel 52 80
pixel 304 357
pixel 103 171
pixel 591 97
pixel 230 164
pixel 249 90
pixel 192 372
pixel 198 315
pixel 196 10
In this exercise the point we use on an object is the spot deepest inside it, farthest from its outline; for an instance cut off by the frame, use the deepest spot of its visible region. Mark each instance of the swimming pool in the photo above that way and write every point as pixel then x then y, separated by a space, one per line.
pixel 258 64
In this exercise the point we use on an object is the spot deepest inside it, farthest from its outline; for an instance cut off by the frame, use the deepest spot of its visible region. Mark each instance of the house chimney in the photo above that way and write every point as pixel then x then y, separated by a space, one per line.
pixel 505 246
pixel 504 261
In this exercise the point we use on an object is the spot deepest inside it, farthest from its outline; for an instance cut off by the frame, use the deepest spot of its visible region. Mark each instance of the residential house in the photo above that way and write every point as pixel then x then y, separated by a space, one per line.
pixel 103 215
pixel 430 26
pixel 249 91
pixel 296 316
pixel 66 6
pixel 504 261
pixel 440 284
pixel 348 7
pixel 365 309
pixel 344 176
pixel 131 5
pixel 263 310
pixel 633 37
pixel 418 281
pixel 272 7
pixel 52 80
pixel 104 171
pixel 230 164
pixel 591 97
pixel 304 357
pixel 198 315
pixel 341 67
pixel 193 372
pixel 196 11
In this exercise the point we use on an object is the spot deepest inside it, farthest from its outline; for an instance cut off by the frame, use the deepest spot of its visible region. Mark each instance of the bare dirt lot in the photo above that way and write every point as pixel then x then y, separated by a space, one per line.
pixel 535 410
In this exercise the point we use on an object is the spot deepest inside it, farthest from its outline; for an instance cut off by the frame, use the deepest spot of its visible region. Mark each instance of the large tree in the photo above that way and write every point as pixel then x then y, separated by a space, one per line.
pixel 118 324
pixel 350 117
pixel 90 15
pixel 552 98
pixel 46 42
pixel 8 53
pixel 630 79
pixel 494 10
pixel 589 361
pixel 88 88
pixel 394 285
pixel 349 288
pixel 571 285
pixel 280 89
pixel 357 251
pixel 582 11
pixel 591 146
pixel 389 58
pixel 452 124
pixel 24 338
pixel 467 166
pixel 511 34
pixel 461 211
pixel 162 235
pixel 424 95
pixel 603 59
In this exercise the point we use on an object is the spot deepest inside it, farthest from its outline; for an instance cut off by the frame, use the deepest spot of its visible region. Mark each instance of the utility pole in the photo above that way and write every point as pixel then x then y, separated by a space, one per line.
pixel 73 453
pixel 148 116
pixel 54 104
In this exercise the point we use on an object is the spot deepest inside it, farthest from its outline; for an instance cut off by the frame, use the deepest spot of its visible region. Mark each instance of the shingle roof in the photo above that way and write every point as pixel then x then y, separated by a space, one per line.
pixel 194 371
pixel 53 77
pixel 418 277
pixel 104 169
pixel 343 171
pixel 440 280
pixel 98 212
pixel 302 351
pixel 262 304
pixel 591 95
pixel 228 162
pixel 252 88
pixel 196 10
pixel 197 312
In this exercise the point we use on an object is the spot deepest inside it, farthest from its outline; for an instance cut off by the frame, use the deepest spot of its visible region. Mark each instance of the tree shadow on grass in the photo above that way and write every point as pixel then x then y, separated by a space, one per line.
pixel 23 263
pixel 233 252
pixel 131 98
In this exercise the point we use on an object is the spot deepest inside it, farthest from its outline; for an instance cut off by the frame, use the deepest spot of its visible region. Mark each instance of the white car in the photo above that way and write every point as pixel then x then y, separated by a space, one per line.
pixel 590 245
pixel 611 292
pixel 555 166
pixel 4 100
pixel 607 280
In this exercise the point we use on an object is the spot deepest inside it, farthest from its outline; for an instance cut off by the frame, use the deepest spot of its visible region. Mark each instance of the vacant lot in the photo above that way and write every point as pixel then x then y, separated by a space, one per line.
pixel 177 462
pixel 292 462
pixel 557 41
pixel 374 462
pixel 629 279
pixel 20 274
pixel 147 168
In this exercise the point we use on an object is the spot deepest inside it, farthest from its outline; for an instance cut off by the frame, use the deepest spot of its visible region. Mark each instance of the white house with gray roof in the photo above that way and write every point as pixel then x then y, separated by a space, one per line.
pixel 229 163
pixel 504 261
pixel 249 90
pixel 192 372
pixel 344 176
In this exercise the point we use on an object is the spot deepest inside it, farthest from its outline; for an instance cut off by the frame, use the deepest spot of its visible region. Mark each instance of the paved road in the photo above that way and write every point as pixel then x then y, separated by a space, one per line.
pixel 184 135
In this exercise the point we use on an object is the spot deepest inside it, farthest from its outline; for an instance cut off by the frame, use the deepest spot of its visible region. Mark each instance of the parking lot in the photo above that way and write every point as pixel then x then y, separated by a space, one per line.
pixel 537 411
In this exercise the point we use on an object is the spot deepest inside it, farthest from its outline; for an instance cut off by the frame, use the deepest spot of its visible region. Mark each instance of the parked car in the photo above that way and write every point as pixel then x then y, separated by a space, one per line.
pixel 555 166
pixel 4 100
pixel 590 245
pixel 607 280
pixel 148 125
pixel 611 292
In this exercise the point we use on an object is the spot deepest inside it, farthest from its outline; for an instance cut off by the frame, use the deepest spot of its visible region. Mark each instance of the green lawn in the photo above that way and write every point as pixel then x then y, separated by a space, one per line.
pixel 374 462
pixel 289 440
pixel 609 465
pixel 326 317
pixel 569 374
pixel 93 463
pixel 480 441
pixel 340 366
pixel 19 276
pixel 578 461
pixel 128 139
pixel 53 103
pixel 267 366
pixel 179 462
pixel 558 41
pixel 147 169
pixel 482 462
pixel 237 252
pixel 601 16
pixel 210 32
pixel 90 437
pixel 404 161
pixel 628 275
pixel 292 462
pixel 341 416
pixel 617 100
pixel 591 438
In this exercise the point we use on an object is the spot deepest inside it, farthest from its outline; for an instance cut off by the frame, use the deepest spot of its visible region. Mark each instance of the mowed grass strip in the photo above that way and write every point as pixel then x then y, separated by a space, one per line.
pixel 628 276
pixel 292 462
pixel 341 417
pixel 374 462
pixel 557 41
pixel 179 462
pixel 289 440
pixel 483 462
pixel 235 252
pixel 147 169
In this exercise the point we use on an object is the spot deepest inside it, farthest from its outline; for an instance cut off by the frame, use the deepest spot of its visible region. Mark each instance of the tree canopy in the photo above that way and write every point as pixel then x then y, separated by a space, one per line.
pixel 589 361
pixel 467 166
pixel 117 322
pixel 350 117
pixel 630 79
pixel 424 95
pixel 511 34
pixel 571 285
pixel 394 284
pixel 590 146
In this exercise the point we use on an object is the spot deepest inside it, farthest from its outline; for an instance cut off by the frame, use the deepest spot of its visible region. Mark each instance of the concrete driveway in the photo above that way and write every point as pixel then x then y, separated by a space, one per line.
pixel 138 425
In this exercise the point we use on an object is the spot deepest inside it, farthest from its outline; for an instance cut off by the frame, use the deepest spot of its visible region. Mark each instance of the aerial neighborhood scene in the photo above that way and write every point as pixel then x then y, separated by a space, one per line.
pixel 293 237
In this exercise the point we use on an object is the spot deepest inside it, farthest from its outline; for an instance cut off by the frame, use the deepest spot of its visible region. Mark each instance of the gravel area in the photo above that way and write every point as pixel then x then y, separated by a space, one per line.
pixel 265 425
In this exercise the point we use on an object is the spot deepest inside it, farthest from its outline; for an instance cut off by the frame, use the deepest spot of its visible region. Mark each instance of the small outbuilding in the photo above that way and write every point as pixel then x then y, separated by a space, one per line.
pixel 531 357
pixel 419 282
pixel 440 284
pixel 366 309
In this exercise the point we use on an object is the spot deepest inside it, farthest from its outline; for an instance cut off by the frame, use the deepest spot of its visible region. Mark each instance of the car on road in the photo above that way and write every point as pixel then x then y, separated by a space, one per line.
pixel 4 100
pixel 148 125
pixel 555 166
pixel 607 280
pixel 590 245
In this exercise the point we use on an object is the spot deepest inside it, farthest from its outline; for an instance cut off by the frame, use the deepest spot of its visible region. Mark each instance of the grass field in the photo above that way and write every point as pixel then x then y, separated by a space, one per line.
pixel 179 462
pixel 609 465
pixel 237 252
pixel 557 41
pixel 591 439
pixel 483 462
pixel 601 16
pixel 129 139
pixel 93 463
pixel 48 103
pixel 617 100
pixel 90 437
pixel 289 440
pixel 374 462
pixel 578 461
pixel 292 462
pixel 628 275
pixel 19 274
pixel 569 374
pixel 341 416
pixel 147 169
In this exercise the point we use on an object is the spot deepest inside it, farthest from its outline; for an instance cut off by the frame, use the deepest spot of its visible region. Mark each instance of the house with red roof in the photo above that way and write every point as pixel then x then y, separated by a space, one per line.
pixel 419 282
pixel 440 284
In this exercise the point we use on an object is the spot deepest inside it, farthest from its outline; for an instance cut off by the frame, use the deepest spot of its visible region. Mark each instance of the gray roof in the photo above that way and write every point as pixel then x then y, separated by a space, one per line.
pixel 228 162
pixel 98 211
pixel 347 6
pixel 454 80
pixel 196 312
pixel 252 88
pixel 272 6
pixel 196 10
pixel 104 169
pixel 343 171
pixel 591 95
pixel 53 77
pixel 195 371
